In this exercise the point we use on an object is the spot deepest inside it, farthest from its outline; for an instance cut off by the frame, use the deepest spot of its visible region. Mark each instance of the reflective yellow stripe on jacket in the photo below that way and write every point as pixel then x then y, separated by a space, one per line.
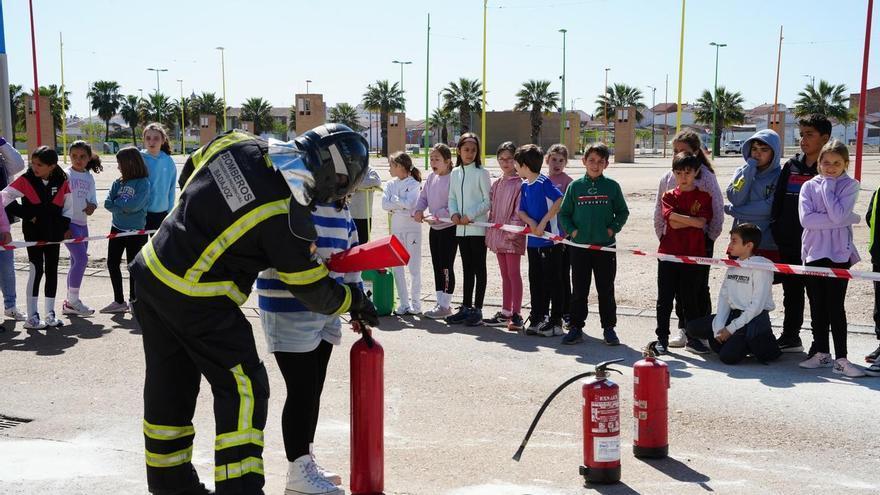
pixel 189 288
pixel 204 154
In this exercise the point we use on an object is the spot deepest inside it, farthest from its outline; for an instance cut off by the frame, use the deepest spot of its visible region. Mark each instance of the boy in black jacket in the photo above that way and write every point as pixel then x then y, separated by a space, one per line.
pixel 815 131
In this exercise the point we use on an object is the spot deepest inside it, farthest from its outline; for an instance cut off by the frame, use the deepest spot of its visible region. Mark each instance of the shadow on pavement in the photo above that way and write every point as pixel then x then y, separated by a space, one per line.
pixel 50 341
pixel 128 323
pixel 781 373
pixel 679 471
pixel 619 488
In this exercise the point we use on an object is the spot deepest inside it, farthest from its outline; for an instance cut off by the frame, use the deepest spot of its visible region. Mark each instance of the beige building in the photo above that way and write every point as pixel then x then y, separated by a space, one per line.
pixel 311 111
pixel 517 127
pixel 47 134
pixel 396 132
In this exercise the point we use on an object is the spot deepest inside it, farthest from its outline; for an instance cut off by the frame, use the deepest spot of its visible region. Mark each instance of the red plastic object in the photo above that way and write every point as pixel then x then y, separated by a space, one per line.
pixel 650 408
pixel 601 416
pixel 367 417
pixel 374 255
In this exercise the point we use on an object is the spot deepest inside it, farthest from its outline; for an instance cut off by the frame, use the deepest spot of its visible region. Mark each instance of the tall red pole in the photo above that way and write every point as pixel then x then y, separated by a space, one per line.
pixel 863 96
pixel 36 82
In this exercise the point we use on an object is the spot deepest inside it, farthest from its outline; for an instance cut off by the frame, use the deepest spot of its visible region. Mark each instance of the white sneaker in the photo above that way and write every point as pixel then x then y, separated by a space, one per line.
pixel 414 310
pixel 35 322
pixel 303 478
pixel 53 322
pixel 402 310
pixel 679 341
pixel 819 360
pixel 874 369
pixel 842 366
pixel 115 307
pixel 328 475
pixel 438 312
pixel 15 314
pixel 77 308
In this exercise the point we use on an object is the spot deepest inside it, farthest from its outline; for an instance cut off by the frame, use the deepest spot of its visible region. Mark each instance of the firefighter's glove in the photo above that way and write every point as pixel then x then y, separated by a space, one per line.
pixel 362 308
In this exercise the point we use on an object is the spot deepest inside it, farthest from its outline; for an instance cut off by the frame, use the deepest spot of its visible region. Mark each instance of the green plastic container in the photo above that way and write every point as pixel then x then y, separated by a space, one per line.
pixel 379 287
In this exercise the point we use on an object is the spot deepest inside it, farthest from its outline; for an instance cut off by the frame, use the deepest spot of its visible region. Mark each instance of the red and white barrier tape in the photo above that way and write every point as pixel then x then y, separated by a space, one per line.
pixel 75 240
pixel 816 271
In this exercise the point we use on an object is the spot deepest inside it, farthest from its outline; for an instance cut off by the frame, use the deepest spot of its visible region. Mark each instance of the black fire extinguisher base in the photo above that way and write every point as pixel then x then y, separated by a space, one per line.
pixel 651 452
pixel 600 476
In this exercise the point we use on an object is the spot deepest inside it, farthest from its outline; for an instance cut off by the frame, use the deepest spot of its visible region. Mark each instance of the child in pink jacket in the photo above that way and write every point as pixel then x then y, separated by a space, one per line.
pixel 508 247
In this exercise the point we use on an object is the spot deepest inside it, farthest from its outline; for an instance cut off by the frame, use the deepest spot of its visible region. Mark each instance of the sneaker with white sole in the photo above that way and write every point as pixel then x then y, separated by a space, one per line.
pixel 550 328
pixel 115 307
pixel 303 478
pixel 326 474
pixel 53 322
pixel 842 366
pixel 874 369
pixel 680 340
pixel 402 310
pixel 818 360
pixel 77 308
pixel 35 322
pixel 438 312
pixel 534 324
pixel 15 314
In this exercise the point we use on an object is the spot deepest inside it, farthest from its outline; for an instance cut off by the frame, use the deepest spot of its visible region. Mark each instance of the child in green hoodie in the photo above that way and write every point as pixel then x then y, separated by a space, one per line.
pixel 593 211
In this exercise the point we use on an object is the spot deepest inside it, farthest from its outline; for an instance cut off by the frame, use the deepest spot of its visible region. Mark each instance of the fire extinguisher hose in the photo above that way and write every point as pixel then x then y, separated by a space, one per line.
pixel 546 403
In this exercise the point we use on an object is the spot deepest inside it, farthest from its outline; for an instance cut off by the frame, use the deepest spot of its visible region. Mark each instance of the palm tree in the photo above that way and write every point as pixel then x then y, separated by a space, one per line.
pixel 442 119
pixel 130 114
pixel 730 111
pixel 619 95
pixel 258 111
pixel 106 100
pixel 345 114
pixel 208 104
pixel 16 108
pixel 828 99
pixel 465 97
pixel 384 98
pixel 55 105
pixel 537 99
pixel 157 107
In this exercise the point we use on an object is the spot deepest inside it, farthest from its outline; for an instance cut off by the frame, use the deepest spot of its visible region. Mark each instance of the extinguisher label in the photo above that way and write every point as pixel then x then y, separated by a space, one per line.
pixel 606 449
pixel 605 415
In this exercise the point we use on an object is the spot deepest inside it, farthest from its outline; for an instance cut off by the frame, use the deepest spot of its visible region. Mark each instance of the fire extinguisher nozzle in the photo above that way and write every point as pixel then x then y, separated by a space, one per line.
pixel 519 453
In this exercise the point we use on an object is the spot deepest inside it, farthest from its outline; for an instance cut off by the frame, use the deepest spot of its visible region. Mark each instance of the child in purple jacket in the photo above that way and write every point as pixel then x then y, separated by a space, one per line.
pixel 825 207
pixel 441 238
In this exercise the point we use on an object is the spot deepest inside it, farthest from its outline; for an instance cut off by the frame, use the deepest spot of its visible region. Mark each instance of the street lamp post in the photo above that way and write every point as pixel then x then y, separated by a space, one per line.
pixel 653 117
pixel 223 77
pixel 157 71
pixel 307 85
pixel 401 64
pixel 182 124
pixel 562 114
pixel 812 79
pixel 605 108
pixel 715 140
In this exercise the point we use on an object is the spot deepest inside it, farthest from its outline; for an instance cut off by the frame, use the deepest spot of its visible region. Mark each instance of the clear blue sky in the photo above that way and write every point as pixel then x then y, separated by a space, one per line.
pixel 352 43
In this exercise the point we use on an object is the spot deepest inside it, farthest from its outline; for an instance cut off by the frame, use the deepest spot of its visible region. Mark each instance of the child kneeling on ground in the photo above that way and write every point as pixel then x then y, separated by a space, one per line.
pixel 742 324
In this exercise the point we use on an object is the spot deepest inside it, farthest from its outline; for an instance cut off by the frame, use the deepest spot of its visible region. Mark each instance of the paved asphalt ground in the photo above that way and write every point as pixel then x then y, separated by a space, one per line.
pixel 457 403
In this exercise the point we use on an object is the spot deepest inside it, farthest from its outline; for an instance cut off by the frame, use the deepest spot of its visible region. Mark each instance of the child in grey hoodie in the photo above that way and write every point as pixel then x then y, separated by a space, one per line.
pixel 752 187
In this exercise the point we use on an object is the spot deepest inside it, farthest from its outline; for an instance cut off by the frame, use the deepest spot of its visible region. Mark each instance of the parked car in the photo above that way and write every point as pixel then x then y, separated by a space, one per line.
pixel 733 146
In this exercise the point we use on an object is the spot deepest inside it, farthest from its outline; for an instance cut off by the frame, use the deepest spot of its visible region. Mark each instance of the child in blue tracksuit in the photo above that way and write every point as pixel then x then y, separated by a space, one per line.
pixel 302 342
pixel 751 189
pixel 163 174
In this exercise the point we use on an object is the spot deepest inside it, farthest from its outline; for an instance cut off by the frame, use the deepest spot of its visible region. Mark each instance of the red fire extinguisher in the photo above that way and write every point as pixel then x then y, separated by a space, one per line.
pixel 601 416
pixel 367 416
pixel 650 406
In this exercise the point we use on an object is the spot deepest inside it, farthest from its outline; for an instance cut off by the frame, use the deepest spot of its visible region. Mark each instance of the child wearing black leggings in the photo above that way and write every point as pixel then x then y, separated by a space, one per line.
pixel 45 212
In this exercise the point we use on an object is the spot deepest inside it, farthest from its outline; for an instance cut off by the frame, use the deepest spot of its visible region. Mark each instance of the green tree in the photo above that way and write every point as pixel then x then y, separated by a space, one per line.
pixel 827 99
pixel 16 107
pixel 384 98
pixel 157 107
pixel 291 120
pixel 105 99
pixel 465 97
pixel 258 111
pixel 730 111
pixel 130 114
pixel 619 95
pixel 536 97
pixel 347 115
pixel 441 119
pixel 55 106
pixel 208 104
